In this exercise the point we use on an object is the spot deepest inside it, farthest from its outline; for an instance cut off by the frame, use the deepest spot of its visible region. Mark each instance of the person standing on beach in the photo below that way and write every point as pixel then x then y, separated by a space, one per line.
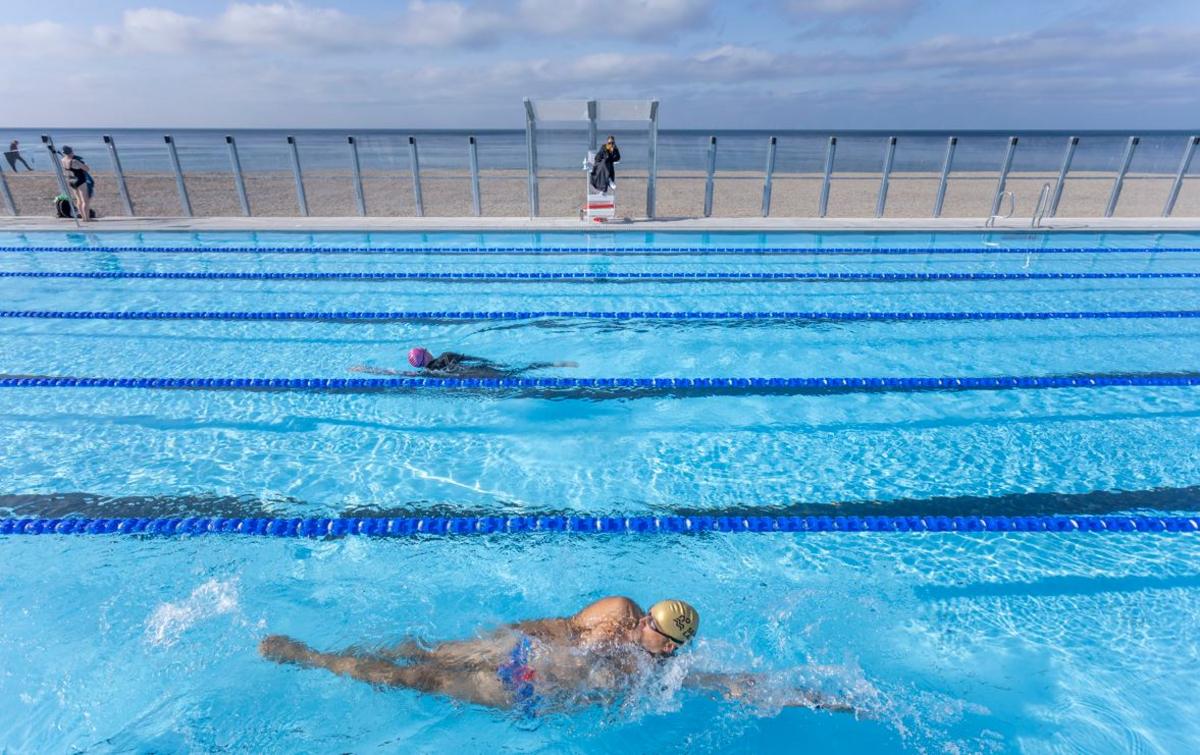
pixel 604 175
pixel 13 155
pixel 77 179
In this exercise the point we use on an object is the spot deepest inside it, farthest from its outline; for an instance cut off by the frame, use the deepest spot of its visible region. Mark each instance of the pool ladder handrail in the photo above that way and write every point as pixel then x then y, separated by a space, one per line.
pixel 1042 206
pixel 1012 207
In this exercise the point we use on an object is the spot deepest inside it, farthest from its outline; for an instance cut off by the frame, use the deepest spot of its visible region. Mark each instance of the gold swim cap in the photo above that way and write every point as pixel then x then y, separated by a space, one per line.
pixel 676 619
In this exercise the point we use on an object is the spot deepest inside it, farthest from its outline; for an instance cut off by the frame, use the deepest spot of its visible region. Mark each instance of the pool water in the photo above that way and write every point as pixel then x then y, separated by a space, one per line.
pixel 956 643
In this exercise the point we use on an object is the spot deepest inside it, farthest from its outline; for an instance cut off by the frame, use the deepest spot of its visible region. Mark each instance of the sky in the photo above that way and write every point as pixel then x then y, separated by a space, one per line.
pixel 769 64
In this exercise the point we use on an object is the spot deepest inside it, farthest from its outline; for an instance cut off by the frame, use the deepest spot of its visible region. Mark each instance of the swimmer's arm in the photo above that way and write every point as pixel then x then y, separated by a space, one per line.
pixel 742 686
pixel 543 629
pixel 283 649
pixel 606 620
pixel 375 370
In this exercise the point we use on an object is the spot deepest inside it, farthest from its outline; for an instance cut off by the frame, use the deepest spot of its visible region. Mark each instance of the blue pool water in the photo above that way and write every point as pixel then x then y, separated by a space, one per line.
pixel 955 642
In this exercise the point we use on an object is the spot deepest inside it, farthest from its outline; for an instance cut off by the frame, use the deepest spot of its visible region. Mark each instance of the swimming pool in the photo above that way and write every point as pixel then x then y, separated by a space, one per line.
pixel 981 642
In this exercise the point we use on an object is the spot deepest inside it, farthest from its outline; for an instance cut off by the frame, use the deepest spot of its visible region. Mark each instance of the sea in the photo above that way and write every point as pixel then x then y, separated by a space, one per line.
pixel 146 150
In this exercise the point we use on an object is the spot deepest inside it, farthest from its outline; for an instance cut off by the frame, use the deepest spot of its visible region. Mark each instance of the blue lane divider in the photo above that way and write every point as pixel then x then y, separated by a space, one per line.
pixel 607 250
pixel 631 385
pixel 588 277
pixel 594 315
pixel 589 525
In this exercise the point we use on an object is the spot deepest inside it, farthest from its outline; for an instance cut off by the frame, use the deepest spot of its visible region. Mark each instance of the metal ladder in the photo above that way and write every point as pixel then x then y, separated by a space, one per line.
pixel 1012 207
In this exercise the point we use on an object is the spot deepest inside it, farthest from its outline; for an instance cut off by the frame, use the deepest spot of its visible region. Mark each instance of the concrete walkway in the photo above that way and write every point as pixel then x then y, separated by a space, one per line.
pixel 694 225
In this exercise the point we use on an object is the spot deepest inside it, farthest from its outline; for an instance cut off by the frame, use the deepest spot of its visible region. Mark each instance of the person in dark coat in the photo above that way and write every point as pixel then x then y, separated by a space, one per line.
pixel 604 175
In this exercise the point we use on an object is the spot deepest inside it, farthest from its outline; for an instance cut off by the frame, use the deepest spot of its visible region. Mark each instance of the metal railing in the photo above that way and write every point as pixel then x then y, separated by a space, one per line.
pixel 1047 205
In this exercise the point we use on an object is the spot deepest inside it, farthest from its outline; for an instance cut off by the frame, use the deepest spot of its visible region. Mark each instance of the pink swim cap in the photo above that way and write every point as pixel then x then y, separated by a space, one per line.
pixel 419 357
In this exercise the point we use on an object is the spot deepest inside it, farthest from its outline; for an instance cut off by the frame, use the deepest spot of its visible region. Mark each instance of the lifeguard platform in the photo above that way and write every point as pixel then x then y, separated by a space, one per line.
pixel 596 206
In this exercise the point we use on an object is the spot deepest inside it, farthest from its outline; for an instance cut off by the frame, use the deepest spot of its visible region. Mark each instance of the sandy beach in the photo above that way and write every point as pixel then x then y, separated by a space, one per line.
pixel 680 194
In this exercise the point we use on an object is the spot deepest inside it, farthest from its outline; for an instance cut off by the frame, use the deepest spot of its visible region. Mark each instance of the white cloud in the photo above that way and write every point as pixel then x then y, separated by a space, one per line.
pixel 449 24
pixel 241 26
pixel 849 17
pixel 39 38
pixel 850 7
pixel 638 19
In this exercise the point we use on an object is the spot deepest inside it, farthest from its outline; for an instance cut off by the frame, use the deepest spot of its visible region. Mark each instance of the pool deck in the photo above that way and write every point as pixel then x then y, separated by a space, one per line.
pixel 559 224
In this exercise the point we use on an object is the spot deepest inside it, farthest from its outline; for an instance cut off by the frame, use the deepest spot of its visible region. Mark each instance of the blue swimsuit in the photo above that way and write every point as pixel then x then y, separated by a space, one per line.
pixel 518 677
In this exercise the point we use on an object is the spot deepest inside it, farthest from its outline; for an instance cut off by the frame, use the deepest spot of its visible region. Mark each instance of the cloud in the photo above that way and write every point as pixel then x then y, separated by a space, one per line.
pixel 241 26
pixel 850 17
pixel 451 24
pixel 635 19
pixel 36 39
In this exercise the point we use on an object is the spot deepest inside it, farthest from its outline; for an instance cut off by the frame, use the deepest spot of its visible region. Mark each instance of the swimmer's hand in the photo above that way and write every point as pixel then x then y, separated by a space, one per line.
pixel 283 649
pixel 375 370
pixel 747 688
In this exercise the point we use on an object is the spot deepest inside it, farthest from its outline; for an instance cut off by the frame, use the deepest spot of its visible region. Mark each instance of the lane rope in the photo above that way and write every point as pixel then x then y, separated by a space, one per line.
pixel 314 527
pixel 624 385
pixel 608 250
pixel 596 277
pixel 449 315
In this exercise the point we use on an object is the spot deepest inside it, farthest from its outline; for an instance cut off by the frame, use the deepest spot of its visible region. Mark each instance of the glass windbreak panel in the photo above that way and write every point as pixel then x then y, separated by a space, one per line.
pixel 856 174
pixel 1086 190
pixel 503 173
pixel 799 166
pixel 204 159
pixel 328 180
pixel 1036 161
pixel 916 171
pixel 1151 173
pixel 682 167
pixel 267 170
pixel 972 184
pixel 1187 204
pixel 561 150
pixel 741 163
pixel 386 173
pixel 445 173
pixel 147 168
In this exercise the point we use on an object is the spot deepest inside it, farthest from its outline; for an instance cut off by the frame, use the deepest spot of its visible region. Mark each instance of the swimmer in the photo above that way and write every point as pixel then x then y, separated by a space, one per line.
pixel 544 665
pixel 452 364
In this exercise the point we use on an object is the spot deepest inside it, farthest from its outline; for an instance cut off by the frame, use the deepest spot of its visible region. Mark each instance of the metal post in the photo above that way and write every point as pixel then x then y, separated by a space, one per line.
pixel 591 110
pixel 1072 143
pixel 652 175
pixel 708 180
pixel 184 203
pixel 1007 166
pixel 1186 161
pixel 1116 189
pixel 824 206
pixel 947 162
pixel 62 179
pixel 531 156
pixel 476 202
pixel 8 197
pixel 356 172
pixel 121 187
pixel 767 176
pixel 889 155
pixel 300 196
pixel 235 165
pixel 416 176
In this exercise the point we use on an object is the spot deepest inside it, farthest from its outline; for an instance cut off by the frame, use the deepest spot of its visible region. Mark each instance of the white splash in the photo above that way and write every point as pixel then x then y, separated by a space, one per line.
pixel 170 620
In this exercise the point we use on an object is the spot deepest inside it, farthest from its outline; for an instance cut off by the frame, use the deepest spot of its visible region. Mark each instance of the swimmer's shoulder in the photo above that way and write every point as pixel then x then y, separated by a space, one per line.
pixel 611 613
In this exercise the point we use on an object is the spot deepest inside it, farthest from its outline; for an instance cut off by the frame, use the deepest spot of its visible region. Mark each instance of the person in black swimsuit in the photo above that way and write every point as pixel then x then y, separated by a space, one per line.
pixel 77 176
pixel 14 154
pixel 453 364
